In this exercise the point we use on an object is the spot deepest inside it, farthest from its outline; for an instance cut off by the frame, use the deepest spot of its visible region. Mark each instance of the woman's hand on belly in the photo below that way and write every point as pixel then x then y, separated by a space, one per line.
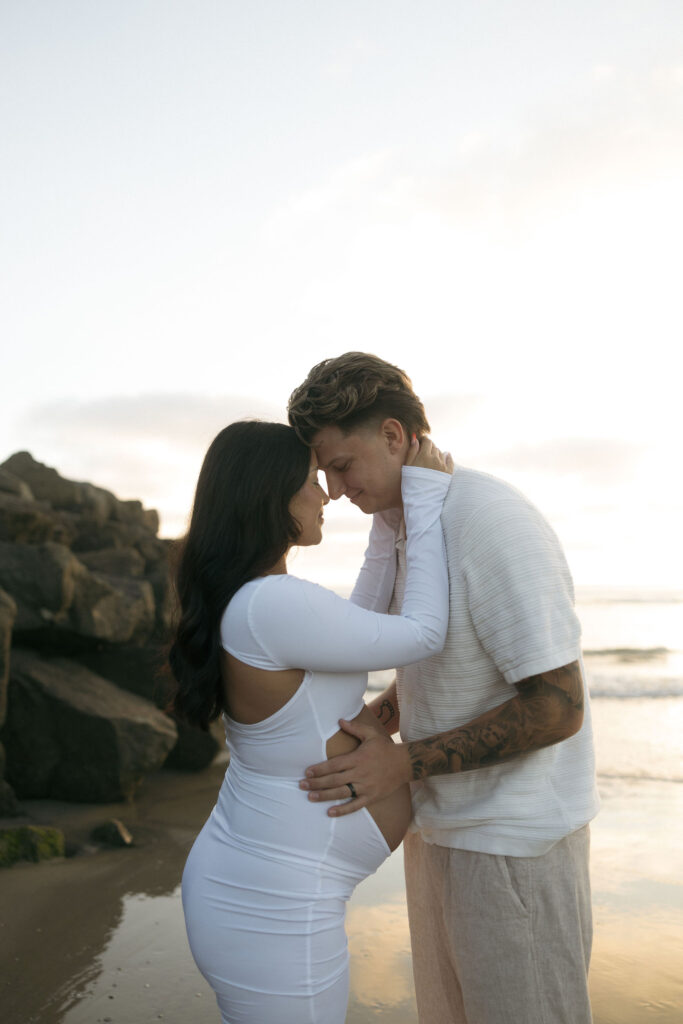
pixel 391 812
pixel 343 742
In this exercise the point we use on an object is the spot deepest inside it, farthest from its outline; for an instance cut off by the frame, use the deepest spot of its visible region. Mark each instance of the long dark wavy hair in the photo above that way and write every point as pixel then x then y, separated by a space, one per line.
pixel 240 528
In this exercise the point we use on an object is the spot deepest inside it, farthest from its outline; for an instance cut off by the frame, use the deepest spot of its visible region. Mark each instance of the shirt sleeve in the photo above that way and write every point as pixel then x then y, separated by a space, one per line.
pixel 302 625
pixel 520 592
pixel 375 583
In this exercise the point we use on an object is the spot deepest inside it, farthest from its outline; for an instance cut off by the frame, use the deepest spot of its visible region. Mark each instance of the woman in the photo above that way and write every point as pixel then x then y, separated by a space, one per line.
pixel 267 880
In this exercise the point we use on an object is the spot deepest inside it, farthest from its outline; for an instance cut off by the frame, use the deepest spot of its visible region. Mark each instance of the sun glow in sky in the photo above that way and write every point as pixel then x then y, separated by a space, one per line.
pixel 199 201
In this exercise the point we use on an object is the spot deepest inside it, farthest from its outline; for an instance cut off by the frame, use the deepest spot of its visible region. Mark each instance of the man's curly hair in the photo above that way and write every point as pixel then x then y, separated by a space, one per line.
pixel 353 390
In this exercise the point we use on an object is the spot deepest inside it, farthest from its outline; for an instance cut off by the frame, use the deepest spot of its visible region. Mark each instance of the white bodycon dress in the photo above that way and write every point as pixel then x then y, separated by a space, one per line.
pixel 267 880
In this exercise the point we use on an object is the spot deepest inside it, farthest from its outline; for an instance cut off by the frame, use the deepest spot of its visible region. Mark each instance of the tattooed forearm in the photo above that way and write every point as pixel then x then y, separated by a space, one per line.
pixel 548 709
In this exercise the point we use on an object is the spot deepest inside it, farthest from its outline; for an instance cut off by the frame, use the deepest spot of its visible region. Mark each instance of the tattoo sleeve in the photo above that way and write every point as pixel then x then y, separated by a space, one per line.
pixel 548 708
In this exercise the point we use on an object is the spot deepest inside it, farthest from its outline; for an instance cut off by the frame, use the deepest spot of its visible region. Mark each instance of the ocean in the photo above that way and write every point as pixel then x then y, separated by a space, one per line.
pixel 633 656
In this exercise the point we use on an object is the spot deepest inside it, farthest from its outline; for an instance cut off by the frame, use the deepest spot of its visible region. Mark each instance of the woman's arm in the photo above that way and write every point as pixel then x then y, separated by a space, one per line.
pixel 301 625
pixel 375 583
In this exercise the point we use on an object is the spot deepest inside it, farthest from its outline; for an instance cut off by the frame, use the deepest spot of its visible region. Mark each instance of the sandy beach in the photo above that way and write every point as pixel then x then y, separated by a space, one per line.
pixel 99 937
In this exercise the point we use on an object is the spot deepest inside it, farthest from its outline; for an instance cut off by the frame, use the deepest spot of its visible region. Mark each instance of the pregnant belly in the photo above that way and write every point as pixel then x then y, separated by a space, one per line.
pixel 393 813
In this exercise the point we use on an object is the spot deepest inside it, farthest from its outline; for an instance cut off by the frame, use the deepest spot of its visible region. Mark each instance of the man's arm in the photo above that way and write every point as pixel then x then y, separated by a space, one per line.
pixel 385 709
pixel 548 708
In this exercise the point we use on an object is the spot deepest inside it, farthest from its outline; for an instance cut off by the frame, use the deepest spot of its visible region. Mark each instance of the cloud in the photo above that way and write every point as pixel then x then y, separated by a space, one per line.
pixel 558 230
pixel 619 129
pixel 596 461
pixel 453 411
pixel 177 419
pixel 147 446
pixel 351 57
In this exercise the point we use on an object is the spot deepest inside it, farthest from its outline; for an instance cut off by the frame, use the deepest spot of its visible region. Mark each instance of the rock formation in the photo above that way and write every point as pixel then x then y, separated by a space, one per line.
pixel 85 610
pixel 8 610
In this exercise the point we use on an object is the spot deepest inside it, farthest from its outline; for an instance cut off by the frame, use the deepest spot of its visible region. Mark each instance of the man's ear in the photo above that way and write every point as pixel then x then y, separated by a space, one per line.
pixel 394 435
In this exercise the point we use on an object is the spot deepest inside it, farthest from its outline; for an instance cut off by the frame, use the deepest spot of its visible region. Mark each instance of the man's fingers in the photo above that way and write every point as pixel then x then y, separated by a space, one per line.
pixel 335 764
pixel 332 781
pixel 339 810
pixel 338 793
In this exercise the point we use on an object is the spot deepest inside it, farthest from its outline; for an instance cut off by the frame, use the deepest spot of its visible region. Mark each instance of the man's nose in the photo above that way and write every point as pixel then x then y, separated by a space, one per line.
pixel 335 485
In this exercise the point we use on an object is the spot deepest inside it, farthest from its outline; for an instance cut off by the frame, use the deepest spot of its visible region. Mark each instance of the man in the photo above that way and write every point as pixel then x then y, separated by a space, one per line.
pixel 496 732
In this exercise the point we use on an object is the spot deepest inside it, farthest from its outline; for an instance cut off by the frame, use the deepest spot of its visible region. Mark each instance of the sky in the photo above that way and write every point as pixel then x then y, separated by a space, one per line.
pixel 199 201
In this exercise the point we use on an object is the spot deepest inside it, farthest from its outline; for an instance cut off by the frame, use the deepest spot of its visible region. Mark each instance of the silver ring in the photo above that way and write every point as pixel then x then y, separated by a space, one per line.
pixel 352 790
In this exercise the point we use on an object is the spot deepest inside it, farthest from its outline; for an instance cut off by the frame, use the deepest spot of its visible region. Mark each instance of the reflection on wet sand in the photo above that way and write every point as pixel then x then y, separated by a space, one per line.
pixel 381 970
pixel 146 972
pixel 60 921
pixel 637 967
pixel 61 918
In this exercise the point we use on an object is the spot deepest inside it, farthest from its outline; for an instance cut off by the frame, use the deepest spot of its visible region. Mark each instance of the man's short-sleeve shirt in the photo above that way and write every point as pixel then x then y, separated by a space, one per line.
pixel 511 617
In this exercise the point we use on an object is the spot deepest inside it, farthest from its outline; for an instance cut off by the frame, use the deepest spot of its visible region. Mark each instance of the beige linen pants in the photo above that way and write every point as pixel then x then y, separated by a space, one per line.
pixel 500 940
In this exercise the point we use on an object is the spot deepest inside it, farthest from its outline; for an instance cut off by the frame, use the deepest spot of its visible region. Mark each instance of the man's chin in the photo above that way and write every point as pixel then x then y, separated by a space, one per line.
pixel 369 505
pixel 363 503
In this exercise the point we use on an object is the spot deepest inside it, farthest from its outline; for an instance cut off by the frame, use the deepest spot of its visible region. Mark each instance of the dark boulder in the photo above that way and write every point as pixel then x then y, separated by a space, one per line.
pixel 114 609
pixel 92 536
pixel 57 595
pixel 41 579
pixel 194 750
pixel 11 484
pixel 33 522
pixel 8 611
pixel 135 669
pixel 9 806
pixel 133 512
pixel 159 580
pixel 112 833
pixel 8 803
pixel 143 671
pixel 72 735
pixel 47 485
pixel 114 561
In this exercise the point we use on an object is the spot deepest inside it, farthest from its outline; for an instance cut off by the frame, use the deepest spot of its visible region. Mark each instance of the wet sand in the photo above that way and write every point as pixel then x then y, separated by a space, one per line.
pixel 99 937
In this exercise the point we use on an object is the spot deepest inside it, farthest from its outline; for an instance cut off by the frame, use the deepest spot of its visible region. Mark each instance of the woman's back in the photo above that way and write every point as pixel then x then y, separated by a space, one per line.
pixel 296 733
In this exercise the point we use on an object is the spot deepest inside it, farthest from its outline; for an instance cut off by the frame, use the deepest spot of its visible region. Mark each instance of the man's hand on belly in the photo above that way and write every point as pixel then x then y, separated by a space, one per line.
pixel 375 769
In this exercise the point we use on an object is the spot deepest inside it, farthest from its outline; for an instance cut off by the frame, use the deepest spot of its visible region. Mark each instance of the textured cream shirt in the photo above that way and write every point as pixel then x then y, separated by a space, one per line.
pixel 511 616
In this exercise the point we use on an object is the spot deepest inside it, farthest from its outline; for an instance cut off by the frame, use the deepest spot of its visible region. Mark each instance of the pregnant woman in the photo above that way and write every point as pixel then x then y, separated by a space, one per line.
pixel 266 882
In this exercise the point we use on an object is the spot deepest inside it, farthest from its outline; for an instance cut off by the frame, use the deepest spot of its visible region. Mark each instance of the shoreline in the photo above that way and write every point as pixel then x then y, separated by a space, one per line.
pixel 99 936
